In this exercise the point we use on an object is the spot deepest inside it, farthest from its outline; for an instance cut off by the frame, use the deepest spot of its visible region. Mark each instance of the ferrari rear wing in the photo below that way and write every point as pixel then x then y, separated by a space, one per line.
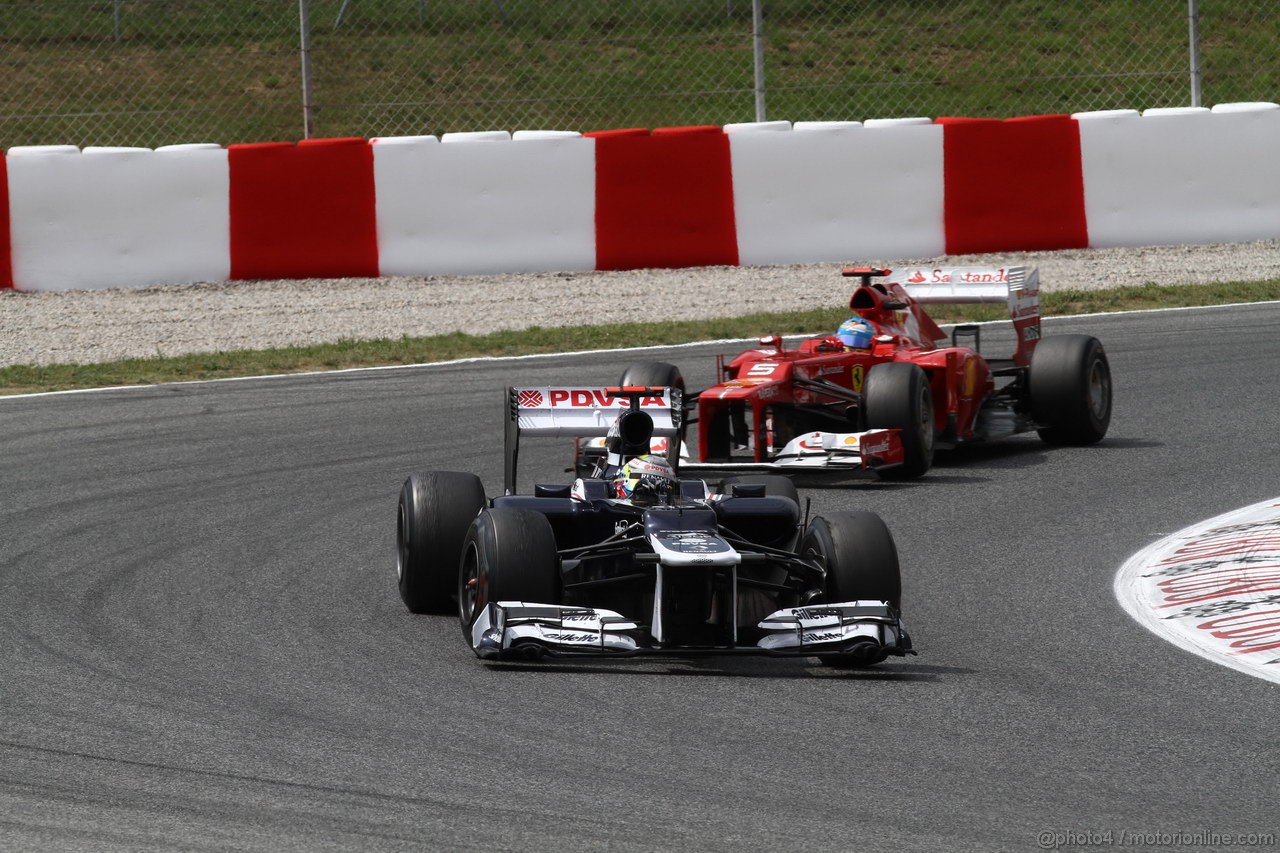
pixel 1016 286
pixel 579 411
pixel 961 285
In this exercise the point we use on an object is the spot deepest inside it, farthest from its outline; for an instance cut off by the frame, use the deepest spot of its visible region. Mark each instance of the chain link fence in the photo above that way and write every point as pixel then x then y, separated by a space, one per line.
pixel 156 72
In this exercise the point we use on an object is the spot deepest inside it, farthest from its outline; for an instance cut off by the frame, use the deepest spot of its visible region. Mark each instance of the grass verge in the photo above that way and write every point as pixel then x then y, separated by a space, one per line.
pixel 26 379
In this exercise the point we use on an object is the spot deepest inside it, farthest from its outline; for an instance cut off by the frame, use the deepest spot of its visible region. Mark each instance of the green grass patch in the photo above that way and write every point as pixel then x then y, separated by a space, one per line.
pixel 155 72
pixel 26 379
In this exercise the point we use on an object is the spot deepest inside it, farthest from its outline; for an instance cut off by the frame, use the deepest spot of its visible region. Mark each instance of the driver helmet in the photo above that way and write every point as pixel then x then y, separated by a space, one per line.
pixel 645 480
pixel 856 333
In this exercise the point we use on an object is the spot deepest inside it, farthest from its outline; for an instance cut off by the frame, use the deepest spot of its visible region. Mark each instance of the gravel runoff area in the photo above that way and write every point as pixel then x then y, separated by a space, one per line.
pixel 88 326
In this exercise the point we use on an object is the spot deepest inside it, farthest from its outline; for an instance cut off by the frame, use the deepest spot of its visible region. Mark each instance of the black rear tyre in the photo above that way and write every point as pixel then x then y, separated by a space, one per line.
pixel 653 373
pixel 898 396
pixel 435 510
pixel 508 555
pixel 1070 387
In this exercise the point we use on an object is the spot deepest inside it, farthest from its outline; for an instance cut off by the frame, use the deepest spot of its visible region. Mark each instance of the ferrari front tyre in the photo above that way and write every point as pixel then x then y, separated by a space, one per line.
pixel 897 396
pixel 1070 389
pixel 508 555
pixel 860 556
pixel 435 510
pixel 719 439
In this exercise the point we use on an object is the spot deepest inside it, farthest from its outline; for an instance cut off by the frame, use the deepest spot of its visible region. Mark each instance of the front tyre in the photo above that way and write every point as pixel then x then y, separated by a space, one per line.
pixel 862 565
pixel 508 555
pixel 897 396
pixel 1070 389
pixel 860 555
pixel 432 518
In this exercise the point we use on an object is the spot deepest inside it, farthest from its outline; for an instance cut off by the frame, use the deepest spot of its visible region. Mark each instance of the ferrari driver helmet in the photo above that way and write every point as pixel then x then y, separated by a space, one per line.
pixel 645 481
pixel 856 333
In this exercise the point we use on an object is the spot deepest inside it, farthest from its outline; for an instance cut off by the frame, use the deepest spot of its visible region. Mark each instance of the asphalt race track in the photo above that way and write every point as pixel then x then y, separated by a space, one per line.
pixel 202 647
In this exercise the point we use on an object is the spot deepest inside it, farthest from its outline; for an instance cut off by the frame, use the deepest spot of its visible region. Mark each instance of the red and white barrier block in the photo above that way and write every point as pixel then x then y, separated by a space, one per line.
pixel 485 203
pixel 768 193
pixel 836 191
pixel 116 217
pixel 1182 175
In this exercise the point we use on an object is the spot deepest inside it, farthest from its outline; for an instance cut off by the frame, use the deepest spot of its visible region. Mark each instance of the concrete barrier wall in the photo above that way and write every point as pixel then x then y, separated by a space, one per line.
pixel 837 191
pixel 768 193
pixel 1013 185
pixel 117 217
pixel 1175 176
pixel 303 211
pixel 664 198
pixel 485 203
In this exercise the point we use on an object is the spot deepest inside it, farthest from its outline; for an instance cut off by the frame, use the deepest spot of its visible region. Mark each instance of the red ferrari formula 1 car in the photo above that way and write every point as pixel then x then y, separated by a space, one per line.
pixel 890 387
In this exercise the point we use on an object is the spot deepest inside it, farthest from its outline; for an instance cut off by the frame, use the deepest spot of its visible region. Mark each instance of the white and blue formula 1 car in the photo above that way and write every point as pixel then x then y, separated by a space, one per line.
pixel 630 560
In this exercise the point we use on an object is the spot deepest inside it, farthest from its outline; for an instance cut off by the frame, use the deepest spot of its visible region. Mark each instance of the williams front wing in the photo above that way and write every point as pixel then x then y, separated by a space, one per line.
pixel 514 630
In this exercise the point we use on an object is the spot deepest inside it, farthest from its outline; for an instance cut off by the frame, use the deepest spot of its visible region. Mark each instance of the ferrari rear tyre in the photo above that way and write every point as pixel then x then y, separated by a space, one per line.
pixel 860 555
pixel 898 396
pixel 653 373
pixel 432 518
pixel 775 485
pixel 508 555
pixel 1070 388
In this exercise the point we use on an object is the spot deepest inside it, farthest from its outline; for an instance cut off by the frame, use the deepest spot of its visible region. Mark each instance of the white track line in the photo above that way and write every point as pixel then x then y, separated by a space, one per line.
pixel 550 355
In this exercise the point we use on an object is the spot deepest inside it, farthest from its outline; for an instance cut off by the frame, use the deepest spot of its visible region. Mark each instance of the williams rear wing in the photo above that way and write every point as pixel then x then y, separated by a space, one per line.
pixel 584 411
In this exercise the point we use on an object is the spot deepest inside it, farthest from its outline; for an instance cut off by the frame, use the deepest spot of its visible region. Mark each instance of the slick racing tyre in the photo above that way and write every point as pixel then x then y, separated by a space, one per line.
pixel 436 508
pixel 1070 385
pixel 775 485
pixel 719 438
pixel 861 558
pixel 508 555
pixel 653 373
pixel 862 565
pixel 898 396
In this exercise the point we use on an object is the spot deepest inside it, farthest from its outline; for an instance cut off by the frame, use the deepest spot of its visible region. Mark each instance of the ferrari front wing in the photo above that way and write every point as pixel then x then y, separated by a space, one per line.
pixel 849 452
pixel 853 452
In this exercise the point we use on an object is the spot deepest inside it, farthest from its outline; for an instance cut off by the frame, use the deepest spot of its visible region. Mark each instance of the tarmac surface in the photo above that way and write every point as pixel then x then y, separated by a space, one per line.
pixel 202 646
